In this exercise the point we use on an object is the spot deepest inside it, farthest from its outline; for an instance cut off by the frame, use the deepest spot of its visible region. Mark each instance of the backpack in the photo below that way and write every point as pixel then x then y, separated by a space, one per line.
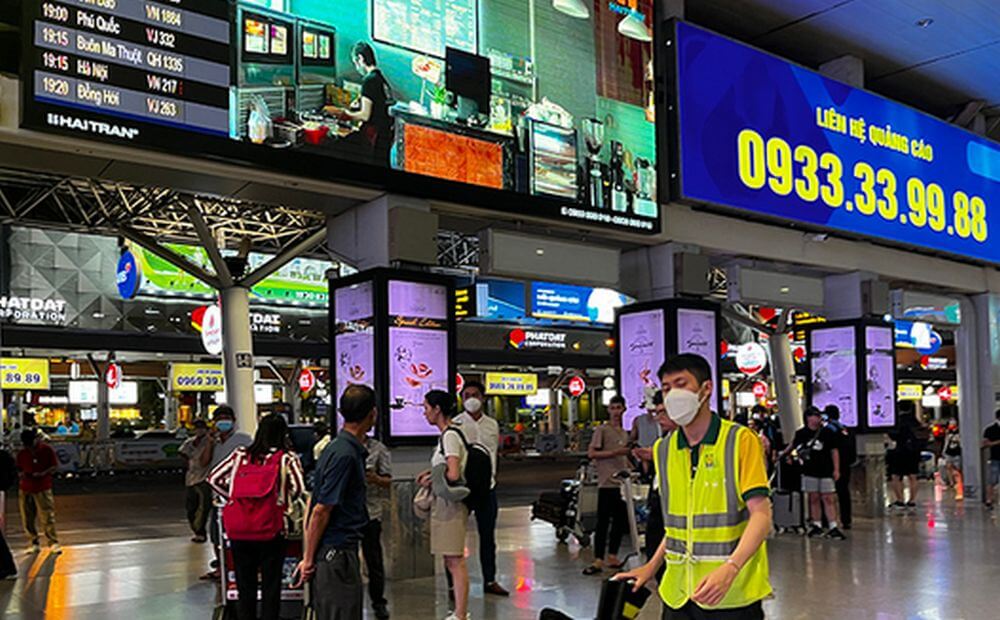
pixel 478 472
pixel 255 509
pixel 8 470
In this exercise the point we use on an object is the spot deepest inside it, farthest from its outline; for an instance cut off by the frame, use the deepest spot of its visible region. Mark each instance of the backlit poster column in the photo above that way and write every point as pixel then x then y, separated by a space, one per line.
pixel 696 334
pixel 354 339
pixel 880 361
pixel 640 352
pixel 834 371
pixel 418 353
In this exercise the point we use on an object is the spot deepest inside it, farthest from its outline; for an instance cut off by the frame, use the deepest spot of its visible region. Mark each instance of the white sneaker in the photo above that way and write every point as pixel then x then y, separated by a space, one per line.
pixel 55 549
pixel 35 548
pixel 452 616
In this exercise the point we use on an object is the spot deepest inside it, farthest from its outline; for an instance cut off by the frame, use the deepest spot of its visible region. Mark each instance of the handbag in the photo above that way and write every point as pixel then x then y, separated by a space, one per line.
pixel 422 502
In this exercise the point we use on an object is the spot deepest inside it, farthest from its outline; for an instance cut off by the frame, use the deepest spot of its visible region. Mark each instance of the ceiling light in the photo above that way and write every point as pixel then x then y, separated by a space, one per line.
pixel 573 8
pixel 925 22
pixel 785 290
pixel 540 252
pixel 634 28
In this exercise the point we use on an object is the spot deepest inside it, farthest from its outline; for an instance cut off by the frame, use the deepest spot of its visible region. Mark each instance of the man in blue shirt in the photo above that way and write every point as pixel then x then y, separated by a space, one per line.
pixel 339 514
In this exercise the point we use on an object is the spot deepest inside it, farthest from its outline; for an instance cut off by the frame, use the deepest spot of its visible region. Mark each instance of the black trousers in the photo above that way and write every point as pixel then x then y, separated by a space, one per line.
pixel 7 565
pixel 690 611
pixel 371 547
pixel 611 514
pixel 199 507
pixel 337 591
pixel 266 558
pixel 844 495
pixel 654 525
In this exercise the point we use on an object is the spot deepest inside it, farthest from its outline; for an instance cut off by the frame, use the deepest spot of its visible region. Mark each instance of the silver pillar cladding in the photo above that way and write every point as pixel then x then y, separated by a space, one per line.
pixel 783 372
pixel 237 356
pixel 103 404
pixel 978 362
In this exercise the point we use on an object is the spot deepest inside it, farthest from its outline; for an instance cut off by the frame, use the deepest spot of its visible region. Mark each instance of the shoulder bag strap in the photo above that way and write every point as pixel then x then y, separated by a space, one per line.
pixel 283 475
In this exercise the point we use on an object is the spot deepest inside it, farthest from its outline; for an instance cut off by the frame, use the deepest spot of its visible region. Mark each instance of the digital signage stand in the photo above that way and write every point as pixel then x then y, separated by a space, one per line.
pixel 648 333
pixel 394 331
pixel 852 364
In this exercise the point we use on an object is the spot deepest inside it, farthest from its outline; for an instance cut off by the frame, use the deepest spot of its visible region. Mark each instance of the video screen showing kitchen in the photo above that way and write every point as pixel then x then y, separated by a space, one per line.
pixel 548 98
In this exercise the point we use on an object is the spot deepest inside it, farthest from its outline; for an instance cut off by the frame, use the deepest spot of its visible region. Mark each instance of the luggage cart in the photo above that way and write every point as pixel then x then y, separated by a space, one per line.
pixel 294 601
pixel 635 507
pixel 572 510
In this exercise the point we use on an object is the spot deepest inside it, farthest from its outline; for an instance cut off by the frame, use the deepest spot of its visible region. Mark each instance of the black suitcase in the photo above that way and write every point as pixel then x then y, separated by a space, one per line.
pixel 550 507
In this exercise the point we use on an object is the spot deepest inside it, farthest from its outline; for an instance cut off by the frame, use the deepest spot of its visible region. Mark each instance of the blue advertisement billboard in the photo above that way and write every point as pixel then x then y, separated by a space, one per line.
pixel 567 302
pixel 763 135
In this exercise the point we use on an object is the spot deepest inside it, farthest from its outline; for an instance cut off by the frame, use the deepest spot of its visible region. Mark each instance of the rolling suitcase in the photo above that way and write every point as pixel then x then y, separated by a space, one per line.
pixel 550 507
pixel 789 514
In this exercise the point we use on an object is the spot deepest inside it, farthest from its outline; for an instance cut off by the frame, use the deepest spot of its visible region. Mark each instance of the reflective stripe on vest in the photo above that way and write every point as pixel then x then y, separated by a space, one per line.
pixel 699 543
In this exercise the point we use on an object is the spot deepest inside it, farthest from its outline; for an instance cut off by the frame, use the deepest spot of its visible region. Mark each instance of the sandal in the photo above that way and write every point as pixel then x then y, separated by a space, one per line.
pixel 592 570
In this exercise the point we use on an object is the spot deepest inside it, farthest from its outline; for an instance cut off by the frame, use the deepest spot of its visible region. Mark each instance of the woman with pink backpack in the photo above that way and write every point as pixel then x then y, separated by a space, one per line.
pixel 259 484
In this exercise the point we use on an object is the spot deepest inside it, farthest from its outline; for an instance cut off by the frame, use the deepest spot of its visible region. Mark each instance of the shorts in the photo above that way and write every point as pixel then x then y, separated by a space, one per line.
pixel 818 485
pixel 449 521
pixel 903 464
pixel 993 476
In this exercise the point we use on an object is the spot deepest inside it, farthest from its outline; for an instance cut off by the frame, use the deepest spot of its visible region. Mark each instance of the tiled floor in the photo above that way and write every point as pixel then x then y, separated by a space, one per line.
pixel 942 562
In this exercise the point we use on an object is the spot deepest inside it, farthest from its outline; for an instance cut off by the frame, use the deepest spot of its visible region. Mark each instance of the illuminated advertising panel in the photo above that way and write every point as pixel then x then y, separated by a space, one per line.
pixel 763 135
pixel 428 97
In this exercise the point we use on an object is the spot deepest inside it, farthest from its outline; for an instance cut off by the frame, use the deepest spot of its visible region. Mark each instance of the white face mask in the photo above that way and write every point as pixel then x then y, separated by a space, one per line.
pixel 682 405
pixel 473 405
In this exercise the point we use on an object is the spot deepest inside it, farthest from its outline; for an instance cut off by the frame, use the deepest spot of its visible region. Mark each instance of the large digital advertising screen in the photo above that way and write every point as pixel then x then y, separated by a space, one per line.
pixel 474 100
pixel 763 135
pixel 880 371
pixel 354 339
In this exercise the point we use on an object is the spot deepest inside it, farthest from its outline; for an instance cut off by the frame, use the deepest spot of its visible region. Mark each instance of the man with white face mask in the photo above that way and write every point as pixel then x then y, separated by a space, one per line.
pixel 714 496
pixel 487 433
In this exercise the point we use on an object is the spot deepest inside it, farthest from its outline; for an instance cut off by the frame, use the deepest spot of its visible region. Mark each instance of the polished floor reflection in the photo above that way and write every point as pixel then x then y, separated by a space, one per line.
pixel 941 562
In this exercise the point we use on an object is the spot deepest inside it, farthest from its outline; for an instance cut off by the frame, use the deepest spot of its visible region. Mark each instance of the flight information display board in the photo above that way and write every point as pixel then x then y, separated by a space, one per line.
pixel 165 62
pixel 763 135
pixel 427 26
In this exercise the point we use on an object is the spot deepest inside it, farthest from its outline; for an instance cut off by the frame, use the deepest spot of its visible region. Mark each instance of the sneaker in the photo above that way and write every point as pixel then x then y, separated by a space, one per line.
pixel 495 589
pixel 814 531
pixel 899 505
pixel 911 505
pixel 35 548
pixel 836 534
pixel 381 611
pixel 452 616
pixel 55 549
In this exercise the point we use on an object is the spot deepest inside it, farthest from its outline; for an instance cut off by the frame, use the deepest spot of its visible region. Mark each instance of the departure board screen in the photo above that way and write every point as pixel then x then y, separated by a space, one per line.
pixel 427 26
pixel 165 62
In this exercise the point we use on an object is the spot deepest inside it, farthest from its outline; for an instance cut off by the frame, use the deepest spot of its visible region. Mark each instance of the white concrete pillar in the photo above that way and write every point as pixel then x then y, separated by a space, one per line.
pixel 237 356
pixel 978 363
pixel 783 373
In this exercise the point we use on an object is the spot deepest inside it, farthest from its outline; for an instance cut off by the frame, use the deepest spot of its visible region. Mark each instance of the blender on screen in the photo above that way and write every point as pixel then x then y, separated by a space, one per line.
pixel 625 184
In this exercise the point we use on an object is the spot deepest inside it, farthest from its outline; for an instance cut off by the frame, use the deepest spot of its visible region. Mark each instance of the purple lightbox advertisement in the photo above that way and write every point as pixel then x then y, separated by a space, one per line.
pixel 354 340
pixel 640 353
pixel 354 302
pixel 696 334
pixel 418 300
pixel 880 358
pixel 832 353
pixel 418 363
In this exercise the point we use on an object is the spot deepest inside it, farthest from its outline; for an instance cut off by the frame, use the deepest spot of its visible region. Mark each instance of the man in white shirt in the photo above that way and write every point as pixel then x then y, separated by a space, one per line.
pixel 487 433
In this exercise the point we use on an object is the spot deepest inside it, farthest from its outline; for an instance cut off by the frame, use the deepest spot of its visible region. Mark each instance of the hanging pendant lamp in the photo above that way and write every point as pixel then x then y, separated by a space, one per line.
pixel 634 28
pixel 573 8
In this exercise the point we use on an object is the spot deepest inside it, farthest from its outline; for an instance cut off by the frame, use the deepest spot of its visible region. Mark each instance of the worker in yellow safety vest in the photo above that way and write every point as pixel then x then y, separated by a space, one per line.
pixel 716 506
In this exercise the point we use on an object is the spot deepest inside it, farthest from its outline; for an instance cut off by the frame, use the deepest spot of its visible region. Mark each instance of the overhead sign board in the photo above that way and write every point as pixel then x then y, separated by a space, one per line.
pixel 18 373
pixel 762 135
pixel 568 302
pixel 511 383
